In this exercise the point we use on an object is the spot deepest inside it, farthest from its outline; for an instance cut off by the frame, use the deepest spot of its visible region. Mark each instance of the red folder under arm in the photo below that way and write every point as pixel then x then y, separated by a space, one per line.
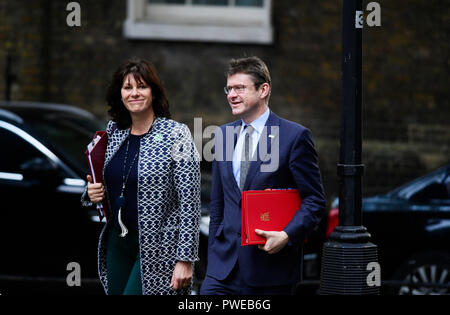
pixel 95 155
pixel 268 210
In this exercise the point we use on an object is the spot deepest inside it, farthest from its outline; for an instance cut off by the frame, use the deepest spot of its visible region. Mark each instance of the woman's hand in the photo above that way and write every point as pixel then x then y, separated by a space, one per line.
pixel 182 275
pixel 95 191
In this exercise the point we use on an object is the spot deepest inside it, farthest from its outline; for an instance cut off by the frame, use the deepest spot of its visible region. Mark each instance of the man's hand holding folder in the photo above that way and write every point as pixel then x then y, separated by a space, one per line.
pixel 275 241
pixel 265 213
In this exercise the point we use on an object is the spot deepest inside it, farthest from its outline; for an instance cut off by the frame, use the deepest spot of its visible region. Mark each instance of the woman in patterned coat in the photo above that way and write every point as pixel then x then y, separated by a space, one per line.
pixel 152 184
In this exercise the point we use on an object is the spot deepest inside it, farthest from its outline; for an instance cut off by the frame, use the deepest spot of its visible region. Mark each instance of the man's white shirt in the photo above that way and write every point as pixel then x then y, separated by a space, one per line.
pixel 258 125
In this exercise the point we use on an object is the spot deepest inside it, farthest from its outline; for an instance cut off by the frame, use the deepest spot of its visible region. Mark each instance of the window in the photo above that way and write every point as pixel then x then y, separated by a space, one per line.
pixel 237 21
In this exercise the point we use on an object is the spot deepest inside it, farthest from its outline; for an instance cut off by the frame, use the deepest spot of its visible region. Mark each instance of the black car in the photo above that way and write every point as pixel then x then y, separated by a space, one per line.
pixel 42 176
pixel 411 227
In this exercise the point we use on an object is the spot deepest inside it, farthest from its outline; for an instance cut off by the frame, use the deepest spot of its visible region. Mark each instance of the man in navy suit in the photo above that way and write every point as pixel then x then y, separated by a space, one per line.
pixel 263 151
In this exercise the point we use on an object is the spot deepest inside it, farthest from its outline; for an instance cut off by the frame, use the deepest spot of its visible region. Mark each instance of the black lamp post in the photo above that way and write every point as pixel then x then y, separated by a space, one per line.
pixel 348 252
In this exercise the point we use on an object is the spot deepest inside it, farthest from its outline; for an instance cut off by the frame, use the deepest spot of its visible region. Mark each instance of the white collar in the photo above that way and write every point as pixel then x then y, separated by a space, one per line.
pixel 259 123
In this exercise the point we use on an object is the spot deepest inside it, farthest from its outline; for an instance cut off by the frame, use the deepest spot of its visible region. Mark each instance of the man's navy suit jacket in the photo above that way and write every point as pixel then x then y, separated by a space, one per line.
pixel 297 168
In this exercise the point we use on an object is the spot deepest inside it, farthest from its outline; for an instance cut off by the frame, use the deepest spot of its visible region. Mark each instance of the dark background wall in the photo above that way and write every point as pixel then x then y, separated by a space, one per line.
pixel 406 74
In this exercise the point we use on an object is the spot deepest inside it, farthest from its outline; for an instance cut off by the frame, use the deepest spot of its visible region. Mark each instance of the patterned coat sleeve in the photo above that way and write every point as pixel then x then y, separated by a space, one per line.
pixel 186 168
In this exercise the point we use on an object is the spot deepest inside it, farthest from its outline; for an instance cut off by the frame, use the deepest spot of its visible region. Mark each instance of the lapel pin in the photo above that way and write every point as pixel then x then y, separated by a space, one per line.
pixel 158 137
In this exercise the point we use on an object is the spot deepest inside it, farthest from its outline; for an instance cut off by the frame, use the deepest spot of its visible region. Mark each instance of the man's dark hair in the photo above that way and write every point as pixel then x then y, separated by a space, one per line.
pixel 252 66
pixel 142 70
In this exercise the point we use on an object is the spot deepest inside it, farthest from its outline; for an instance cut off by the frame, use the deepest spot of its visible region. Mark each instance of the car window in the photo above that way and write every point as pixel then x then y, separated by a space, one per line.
pixel 418 189
pixel 17 152
pixel 68 134
pixel 432 192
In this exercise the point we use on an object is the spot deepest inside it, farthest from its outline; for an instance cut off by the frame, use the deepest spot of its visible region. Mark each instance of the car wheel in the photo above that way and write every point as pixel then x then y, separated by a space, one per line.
pixel 427 273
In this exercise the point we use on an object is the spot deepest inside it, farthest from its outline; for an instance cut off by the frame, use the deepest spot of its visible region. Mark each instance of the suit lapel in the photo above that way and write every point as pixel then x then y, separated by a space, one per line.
pixel 268 135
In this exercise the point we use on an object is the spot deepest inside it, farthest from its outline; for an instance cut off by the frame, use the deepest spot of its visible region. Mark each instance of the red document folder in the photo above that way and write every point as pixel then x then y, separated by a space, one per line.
pixel 95 155
pixel 268 210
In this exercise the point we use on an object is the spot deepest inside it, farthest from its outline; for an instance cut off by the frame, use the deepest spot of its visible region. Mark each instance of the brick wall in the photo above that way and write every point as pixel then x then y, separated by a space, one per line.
pixel 406 74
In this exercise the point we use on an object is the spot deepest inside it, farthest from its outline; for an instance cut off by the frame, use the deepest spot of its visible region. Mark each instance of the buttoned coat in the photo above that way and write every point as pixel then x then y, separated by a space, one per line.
pixel 289 160
pixel 168 203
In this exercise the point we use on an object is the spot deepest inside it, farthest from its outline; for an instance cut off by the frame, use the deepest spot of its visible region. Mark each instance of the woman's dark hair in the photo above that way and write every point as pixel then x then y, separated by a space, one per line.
pixel 141 70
